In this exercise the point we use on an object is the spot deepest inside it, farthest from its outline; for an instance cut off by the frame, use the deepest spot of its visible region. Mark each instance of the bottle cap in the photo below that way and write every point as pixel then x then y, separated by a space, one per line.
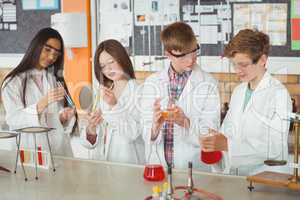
pixel 165 186
pixel 156 190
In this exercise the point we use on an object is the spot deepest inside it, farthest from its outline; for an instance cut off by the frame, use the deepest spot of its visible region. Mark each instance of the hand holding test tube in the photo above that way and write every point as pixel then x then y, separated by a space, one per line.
pixel 67 112
pixel 108 95
pixel 95 117
pixel 97 98
pixel 53 95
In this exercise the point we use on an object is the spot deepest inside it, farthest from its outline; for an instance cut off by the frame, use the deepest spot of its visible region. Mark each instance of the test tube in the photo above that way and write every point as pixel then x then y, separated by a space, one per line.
pixel 96 99
pixel 69 100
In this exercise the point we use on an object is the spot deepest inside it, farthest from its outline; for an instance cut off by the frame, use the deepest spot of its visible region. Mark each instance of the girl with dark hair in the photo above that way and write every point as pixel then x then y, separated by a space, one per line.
pixel 113 128
pixel 35 93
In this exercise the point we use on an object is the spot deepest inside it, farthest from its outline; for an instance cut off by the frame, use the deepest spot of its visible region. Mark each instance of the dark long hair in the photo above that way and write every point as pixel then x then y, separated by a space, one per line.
pixel 31 60
pixel 118 52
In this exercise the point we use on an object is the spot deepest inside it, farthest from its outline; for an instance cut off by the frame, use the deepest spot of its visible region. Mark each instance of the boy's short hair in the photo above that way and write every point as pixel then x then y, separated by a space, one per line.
pixel 251 42
pixel 178 36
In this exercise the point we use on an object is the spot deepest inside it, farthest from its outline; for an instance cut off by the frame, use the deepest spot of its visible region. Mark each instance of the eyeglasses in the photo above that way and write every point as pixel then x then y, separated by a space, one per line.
pixel 103 65
pixel 197 51
pixel 50 49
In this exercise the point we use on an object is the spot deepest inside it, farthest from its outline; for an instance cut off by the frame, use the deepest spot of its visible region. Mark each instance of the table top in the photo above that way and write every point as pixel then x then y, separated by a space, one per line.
pixel 7 134
pixel 34 129
pixel 80 179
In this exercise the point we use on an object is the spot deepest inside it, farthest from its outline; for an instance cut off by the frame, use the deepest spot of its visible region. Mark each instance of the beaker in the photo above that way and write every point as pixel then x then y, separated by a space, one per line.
pixel 154 172
pixel 167 107
pixel 212 157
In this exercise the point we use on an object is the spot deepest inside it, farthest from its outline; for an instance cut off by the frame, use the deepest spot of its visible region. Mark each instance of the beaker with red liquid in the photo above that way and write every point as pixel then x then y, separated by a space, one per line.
pixel 154 171
pixel 211 157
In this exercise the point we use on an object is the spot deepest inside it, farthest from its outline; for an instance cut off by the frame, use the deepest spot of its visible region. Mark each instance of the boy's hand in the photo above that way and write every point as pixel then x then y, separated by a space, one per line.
pixel 180 118
pixel 158 119
pixel 215 141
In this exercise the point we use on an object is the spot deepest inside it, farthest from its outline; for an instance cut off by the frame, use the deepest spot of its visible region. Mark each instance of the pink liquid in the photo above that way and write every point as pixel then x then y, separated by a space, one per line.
pixel 154 173
pixel 211 157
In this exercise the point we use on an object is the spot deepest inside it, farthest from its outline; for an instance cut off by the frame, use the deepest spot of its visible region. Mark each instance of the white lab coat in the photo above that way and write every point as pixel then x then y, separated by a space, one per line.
pixel 20 116
pixel 123 140
pixel 260 131
pixel 201 104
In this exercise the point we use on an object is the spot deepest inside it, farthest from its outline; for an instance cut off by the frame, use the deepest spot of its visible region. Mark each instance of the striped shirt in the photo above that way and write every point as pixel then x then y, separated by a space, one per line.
pixel 177 83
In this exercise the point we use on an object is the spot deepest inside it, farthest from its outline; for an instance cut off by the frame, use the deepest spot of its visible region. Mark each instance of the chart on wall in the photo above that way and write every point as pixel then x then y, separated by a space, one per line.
pixel 223 19
pixel 40 4
pixel 8 15
pixel 119 16
pixel 213 21
pixel 156 12
pixel 295 24
pixel 269 18
pixel 21 22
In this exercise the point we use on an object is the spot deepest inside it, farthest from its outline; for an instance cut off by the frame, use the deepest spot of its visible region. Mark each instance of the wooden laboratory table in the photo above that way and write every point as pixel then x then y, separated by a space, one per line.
pixel 81 179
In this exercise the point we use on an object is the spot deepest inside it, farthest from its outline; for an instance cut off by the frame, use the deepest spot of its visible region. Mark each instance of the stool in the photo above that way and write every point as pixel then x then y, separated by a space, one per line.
pixel 34 131
pixel 10 134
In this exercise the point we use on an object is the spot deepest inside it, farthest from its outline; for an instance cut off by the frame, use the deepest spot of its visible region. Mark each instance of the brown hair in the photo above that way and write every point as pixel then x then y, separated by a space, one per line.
pixel 178 36
pixel 251 42
pixel 118 52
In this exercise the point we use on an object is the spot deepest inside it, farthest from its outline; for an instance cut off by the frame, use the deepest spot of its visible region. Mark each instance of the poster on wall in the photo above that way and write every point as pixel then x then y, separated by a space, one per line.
pixel 40 4
pixel 269 18
pixel 156 12
pixel 295 24
pixel 8 15
pixel 119 16
pixel 245 0
pixel 212 19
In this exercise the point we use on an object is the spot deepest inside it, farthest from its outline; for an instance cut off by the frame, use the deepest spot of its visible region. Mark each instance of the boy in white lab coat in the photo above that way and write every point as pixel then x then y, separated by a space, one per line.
pixel 189 94
pixel 255 128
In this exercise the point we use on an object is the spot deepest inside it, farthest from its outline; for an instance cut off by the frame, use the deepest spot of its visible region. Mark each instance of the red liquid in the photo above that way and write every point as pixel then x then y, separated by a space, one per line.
pixel 40 159
pixel 211 157
pixel 22 156
pixel 154 173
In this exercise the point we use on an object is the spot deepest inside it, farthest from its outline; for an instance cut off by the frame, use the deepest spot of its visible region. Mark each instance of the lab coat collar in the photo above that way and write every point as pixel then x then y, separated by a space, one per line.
pixel 196 72
pixel 195 78
pixel 32 73
pixel 263 84
pixel 127 91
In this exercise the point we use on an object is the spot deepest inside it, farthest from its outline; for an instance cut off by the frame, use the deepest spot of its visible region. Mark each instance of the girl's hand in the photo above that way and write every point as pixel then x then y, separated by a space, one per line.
pixel 66 114
pixel 108 96
pixel 55 94
pixel 94 119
